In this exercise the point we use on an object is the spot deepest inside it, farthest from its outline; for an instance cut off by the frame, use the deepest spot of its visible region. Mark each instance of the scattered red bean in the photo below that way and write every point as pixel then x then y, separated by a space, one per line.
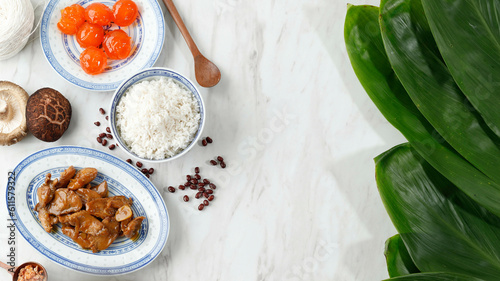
pixel 220 159
pixel 204 142
pixel 193 187
pixel 201 207
pixel 222 165
pixel 144 171
pixel 187 183
pixel 151 171
pixel 200 184
pixel 102 135
pixel 107 117
pixel 97 123
pixel 197 176
pixel 212 186
pixel 211 198
pixel 110 136
pixel 205 202
pixel 186 198
pixel 171 189
pixel 201 189
pixel 198 195
pixel 104 142
pixel 101 110
pixel 147 175
pixel 213 162
pixel 194 181
pixel 197 170
pixel 205 181
pixel 129 161
pixel 188 178
pixel 205 194
pixel 99 140
pixel 108 130
pixel 209 191
pixel 182 187
pixel 209 140
pixel 111 147
pixel 139 164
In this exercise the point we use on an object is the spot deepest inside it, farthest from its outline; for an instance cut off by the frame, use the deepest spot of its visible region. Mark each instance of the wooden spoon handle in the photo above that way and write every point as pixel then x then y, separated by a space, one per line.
pixel 7 267
pixel 182 27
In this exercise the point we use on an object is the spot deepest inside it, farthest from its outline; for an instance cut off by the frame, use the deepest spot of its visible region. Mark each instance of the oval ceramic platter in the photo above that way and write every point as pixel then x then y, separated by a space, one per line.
pixel 63 52
pixel 124 255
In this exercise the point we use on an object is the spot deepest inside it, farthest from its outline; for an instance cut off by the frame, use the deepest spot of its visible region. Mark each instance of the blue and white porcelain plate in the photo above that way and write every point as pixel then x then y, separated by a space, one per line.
pixel 124 255
pixel 63 52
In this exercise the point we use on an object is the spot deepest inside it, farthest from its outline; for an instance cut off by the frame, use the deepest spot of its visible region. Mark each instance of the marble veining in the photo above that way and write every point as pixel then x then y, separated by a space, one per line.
pixel 298 200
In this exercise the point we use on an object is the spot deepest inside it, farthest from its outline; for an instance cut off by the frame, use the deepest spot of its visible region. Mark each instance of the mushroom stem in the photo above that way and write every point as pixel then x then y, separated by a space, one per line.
pixel 5 111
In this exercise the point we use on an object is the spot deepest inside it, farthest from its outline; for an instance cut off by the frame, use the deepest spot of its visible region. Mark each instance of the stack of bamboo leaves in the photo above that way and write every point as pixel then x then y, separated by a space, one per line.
pixel 432 67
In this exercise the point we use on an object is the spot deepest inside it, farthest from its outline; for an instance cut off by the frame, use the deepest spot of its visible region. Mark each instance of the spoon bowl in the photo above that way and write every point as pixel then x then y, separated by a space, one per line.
pixel 207 73
pixel 33 264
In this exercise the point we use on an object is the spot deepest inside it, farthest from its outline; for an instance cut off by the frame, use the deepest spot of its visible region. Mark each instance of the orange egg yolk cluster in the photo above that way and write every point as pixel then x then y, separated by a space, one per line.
pixel 87 24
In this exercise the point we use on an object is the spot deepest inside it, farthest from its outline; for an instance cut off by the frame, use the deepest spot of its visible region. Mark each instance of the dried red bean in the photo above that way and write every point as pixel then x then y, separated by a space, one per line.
pixel 198 195
pixel 139 164
pixel 129 161
pixel 186 198
pixel 213 162
pixel 111 147
pixel 212 186
pixel 171 189
pixel 102 135
pixel 144 171
pixel 222 165
pixel 205 194
pixel 99 140
pixel 209 191
pixel 104 142
pixel 201 207
pixel 205 202
pixel 151 171
pixel 197 170
pixel 107 117
pixel 182 187
pixel 97 123
pixel 193 187
pixel 209 140
pixel 197 176
pixel 147 175
pixel 201 189
pixel 211 198
pixel 108 130
pixel 204 142
pixel 194 181
pixel 188 178
pixel 101 110
pixel 200 184
pixel 220 159
pixel 205 181
pixel 110 136
pixel 187 183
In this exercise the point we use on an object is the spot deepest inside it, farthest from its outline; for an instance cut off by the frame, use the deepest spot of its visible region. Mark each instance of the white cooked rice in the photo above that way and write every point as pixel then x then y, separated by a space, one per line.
pixel 157 119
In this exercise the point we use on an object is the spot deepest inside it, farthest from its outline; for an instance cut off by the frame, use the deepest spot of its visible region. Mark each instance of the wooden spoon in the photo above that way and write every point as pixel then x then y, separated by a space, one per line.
pixel 15 274
pixel 207 73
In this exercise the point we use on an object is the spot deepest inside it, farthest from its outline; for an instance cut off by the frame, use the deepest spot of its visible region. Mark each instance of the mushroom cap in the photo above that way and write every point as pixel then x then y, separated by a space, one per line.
pixel 48 114
pixel 13 100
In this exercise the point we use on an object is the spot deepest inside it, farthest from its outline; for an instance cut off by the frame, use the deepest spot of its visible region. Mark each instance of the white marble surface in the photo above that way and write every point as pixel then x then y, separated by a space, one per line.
pixel 298 200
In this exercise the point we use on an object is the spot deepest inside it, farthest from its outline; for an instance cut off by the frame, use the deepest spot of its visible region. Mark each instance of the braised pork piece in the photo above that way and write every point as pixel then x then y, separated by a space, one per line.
pixel 87 215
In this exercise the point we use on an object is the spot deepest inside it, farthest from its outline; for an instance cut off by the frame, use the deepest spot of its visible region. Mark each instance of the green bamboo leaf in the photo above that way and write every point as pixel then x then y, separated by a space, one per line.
pixel 435 277
pixel 398 260
pixel 371 65
pixel 414 55
pixel 468 36
pixel 442 228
